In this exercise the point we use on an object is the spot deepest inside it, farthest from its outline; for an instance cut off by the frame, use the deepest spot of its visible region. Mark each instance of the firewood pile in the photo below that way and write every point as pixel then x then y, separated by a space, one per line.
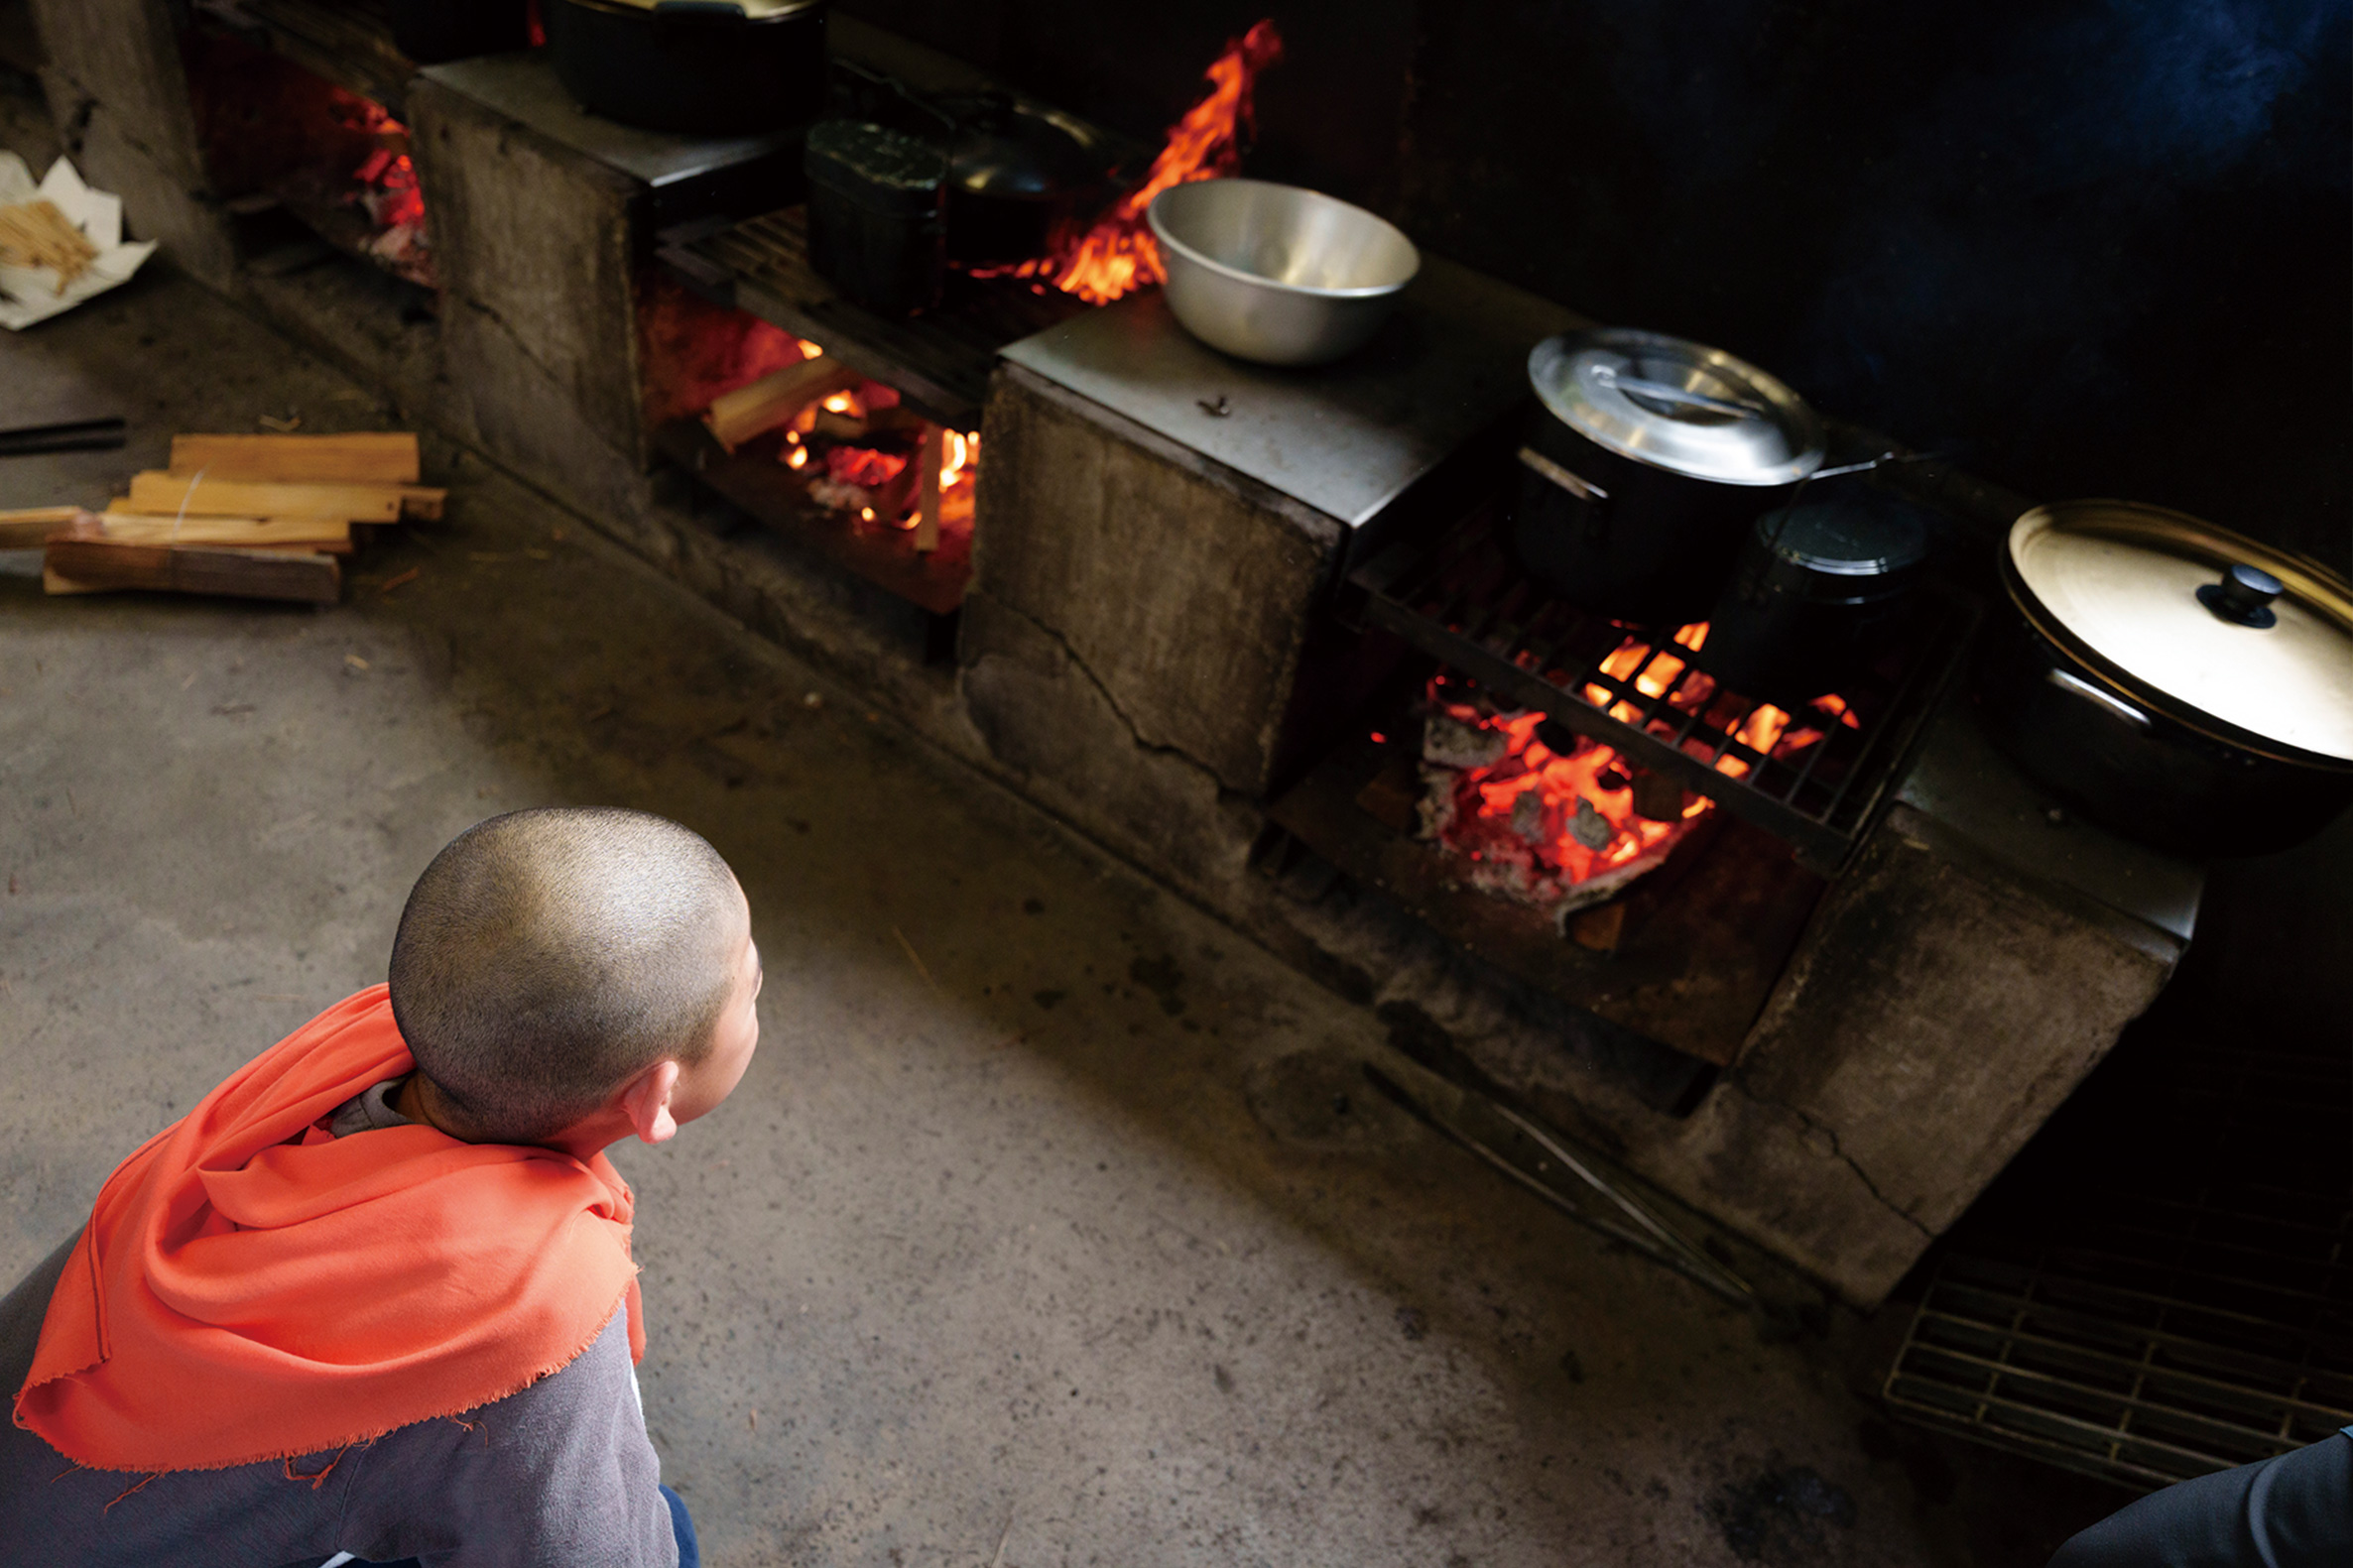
pixel 254 517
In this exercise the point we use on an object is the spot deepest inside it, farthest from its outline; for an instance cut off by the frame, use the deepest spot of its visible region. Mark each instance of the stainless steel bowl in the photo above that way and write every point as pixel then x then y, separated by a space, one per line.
pixel 1276 274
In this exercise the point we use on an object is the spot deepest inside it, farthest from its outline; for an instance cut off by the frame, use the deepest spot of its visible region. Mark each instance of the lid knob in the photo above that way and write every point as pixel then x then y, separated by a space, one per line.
pixel 2244 596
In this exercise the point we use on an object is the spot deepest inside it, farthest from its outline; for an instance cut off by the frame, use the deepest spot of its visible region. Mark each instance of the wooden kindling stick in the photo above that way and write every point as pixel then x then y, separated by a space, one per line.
pixel 933 454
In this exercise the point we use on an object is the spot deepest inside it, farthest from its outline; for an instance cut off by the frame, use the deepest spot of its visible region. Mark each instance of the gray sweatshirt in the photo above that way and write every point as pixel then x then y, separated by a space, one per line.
pixel 558 1476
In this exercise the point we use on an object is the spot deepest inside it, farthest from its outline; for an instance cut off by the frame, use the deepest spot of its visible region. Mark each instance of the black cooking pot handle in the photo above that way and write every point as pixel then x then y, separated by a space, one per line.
pixel 1585 491
pixel 2113 706
pixel 699 8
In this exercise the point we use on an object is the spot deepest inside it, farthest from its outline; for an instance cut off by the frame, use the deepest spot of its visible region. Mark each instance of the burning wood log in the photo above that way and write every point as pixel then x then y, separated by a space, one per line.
pixel 386 458
pixel 35 234
pixel 93 566
pixel 931 459
pixel 775 399
pixel 177 495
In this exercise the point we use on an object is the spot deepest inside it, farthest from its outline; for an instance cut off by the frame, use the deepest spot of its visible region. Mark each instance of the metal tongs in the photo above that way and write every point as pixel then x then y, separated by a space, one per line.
pixel 1449 1108
pixel 75 436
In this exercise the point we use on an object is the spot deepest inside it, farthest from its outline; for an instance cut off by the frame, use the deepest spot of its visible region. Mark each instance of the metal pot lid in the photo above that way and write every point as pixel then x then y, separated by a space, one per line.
pixel 1020 152
pixel 1678 405
pixel 2196 616
pixel 1847 537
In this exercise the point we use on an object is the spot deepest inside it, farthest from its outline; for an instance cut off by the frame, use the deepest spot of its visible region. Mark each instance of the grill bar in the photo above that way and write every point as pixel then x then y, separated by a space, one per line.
pixel 1461 602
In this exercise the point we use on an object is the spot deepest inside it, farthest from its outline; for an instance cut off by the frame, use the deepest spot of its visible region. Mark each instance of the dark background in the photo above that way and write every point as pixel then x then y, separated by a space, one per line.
pixel 2091 247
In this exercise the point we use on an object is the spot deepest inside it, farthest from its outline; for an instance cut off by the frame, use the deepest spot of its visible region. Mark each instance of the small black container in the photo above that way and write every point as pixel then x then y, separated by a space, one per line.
pixel 432 30
pixel 702 67
pixel 1820 588
pixel 876 215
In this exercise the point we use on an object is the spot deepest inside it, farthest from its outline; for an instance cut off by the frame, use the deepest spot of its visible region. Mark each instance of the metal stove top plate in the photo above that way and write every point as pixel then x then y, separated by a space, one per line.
pixel 524 86
pixel 1346 439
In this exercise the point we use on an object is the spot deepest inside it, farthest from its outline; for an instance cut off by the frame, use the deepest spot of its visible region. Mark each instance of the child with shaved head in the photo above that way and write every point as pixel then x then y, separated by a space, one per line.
pixel 372 1299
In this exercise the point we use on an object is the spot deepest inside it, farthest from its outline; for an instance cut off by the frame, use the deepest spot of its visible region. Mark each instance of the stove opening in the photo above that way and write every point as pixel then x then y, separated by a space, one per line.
pixel 809 446
pixel 312 171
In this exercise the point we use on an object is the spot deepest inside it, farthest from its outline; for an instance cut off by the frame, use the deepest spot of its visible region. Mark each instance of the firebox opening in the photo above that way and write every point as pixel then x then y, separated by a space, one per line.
pixel 313 173
pixel 812 449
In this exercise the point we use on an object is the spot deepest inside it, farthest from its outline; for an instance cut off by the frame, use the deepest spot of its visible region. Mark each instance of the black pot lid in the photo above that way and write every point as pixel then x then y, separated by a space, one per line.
pixel 1678 405
pixel 1846 537
pixel 2195 617
pixel 1019 152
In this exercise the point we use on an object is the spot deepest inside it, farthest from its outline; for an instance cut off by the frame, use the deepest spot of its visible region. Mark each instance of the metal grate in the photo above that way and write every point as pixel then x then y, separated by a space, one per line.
pixel 1466 603
pixel 2188 1336
pixel 941 359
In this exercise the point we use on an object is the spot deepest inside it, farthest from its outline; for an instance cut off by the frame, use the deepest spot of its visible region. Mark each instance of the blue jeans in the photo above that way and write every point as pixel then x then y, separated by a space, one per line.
pixel 682 1525
pixel 2292 1511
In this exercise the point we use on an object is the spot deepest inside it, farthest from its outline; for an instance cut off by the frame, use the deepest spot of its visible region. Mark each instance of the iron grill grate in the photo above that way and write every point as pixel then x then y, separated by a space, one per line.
pixel 2191 1334
pixel 1465 602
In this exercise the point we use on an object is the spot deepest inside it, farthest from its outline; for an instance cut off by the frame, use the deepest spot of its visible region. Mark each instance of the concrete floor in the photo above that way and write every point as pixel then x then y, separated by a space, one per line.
pixel 1032 1236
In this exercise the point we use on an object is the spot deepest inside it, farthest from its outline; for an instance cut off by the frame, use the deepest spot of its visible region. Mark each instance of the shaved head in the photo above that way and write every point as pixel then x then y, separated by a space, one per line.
pixel 546 957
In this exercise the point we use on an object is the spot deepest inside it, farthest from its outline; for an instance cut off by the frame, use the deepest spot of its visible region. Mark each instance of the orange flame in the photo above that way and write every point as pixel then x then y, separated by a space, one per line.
pixel 1117 255
pixel 1767 729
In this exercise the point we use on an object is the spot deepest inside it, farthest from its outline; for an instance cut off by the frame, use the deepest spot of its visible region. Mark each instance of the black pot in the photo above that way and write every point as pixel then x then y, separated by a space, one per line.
pixel 1820 589
pixel 1645 460
pixel 702 67
pixel 1016 172
pixel 432 30
pixel 876 212
pixel 2146 762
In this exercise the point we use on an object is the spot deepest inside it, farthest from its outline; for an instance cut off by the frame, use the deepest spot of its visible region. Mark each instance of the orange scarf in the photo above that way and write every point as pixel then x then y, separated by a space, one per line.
pixel 250 1288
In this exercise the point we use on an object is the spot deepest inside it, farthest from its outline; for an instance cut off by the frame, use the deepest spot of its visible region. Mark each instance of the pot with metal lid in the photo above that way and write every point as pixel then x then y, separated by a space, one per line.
pixel 705 67
pixel 2174 682
pixel 1644 461
pixel 1820 588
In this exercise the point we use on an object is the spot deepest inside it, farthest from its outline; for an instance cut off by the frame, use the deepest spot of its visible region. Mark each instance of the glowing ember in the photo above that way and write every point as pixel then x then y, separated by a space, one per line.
pixel 1662 674
pixel 1555 830
pixel 862 467
pixel 388 191
pixel 1117 256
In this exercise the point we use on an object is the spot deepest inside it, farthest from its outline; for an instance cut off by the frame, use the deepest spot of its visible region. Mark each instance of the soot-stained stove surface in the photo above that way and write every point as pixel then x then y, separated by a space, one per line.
pixel 1347 438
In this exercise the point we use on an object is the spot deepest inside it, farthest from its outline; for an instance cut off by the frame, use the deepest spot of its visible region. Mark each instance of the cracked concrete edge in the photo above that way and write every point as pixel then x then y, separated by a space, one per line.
pixel 1135 731
pixel 1828 1135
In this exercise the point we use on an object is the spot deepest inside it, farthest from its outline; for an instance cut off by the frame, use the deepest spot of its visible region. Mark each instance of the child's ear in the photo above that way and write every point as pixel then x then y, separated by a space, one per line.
pixel 646 1102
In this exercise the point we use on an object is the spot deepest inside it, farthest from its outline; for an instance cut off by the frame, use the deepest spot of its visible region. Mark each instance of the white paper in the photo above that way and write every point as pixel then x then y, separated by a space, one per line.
pixel 30 293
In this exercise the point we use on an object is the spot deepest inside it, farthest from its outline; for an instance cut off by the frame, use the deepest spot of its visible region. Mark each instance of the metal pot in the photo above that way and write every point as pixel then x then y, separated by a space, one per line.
pixel 1819 590
pixel 1645 460
pixel 2171 680
pixel 705 68
pixel 1277 273
pixel 1018 170
pixel 875 209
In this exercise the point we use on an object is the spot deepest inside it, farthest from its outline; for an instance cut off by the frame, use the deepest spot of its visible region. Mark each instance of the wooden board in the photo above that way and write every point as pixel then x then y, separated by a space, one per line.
pixel 370 457
pixel 137 528
pixel 72 566
pixel 27 527
pixel 172 495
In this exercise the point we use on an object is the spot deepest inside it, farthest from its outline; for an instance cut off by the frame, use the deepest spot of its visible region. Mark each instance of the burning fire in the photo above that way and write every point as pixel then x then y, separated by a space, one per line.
pixel 388 191
pixel 1117 255
pixel 1767 730
pixel 1555 829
